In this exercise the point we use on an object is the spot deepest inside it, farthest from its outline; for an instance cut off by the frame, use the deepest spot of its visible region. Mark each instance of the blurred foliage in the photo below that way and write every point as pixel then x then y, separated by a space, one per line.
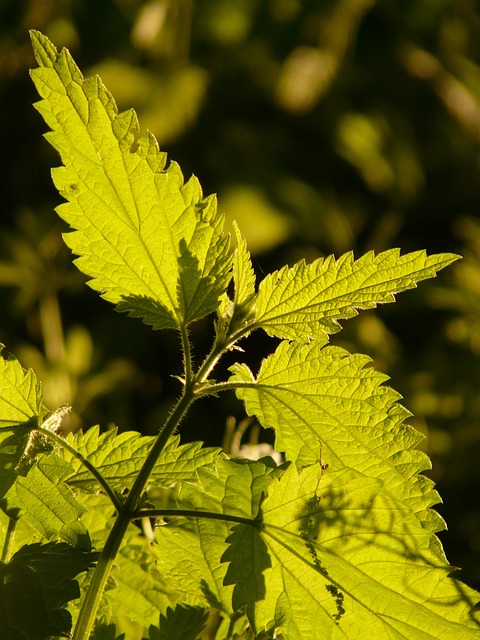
pixel 324 126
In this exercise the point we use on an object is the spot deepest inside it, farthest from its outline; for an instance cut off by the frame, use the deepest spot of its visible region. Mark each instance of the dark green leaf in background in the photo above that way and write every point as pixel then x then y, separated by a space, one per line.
pixel 36 585
pixel 183 622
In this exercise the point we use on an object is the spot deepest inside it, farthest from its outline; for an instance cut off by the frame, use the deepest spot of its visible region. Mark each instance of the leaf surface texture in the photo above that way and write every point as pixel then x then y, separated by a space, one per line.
pixel 150 243
pixel 306 301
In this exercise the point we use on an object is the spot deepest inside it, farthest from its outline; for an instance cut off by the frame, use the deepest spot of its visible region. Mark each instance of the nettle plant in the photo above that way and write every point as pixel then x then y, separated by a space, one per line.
pixel 338 541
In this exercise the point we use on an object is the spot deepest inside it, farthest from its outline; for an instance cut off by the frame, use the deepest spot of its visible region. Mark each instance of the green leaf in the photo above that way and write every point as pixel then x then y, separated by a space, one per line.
pixel 139 591
pixel 56 564
pixel 234 486
pixel 106 631
pixel 21 409
pixel 248 558
pixel 119 458
pixel 48 504
pixel 150 243
pixel 306 301
pixel 326 404
pixel 189 551
pixel 349 561
pixel 184 622
pixel 21 400
pixel 34 588
pixel 244 281
pixel 23 614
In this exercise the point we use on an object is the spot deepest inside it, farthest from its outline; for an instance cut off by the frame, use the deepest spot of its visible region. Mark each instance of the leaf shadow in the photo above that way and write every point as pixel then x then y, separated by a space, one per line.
pixel 19 445
pixel 196 295
pixel 355 531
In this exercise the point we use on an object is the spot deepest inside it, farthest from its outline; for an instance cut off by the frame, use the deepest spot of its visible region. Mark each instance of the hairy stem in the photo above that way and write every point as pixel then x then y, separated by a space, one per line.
pixel 187 357
pixel 211 360
pixel 219 348
pixel 218 387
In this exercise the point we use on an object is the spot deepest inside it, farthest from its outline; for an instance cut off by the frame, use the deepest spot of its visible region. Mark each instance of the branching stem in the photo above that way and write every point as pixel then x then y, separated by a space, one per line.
pixel 193 388
pixel 88 612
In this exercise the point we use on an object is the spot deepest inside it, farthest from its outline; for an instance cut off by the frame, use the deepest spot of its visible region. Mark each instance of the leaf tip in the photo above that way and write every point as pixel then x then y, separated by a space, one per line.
pixel 44 50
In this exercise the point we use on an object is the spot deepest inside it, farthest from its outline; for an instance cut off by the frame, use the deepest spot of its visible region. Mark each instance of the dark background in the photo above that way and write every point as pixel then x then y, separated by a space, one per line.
pixel 324 126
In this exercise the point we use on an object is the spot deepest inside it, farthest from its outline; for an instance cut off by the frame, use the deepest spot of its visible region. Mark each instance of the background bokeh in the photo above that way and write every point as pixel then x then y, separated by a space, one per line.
pixel 324 126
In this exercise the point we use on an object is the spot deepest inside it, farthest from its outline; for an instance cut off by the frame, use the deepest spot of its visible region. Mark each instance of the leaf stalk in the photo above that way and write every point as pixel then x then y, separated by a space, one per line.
pixel 190 513
pixel 86 463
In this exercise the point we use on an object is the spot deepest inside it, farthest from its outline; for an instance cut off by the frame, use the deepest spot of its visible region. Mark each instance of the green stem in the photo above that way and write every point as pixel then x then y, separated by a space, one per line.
pixel 231 626
pixel 102 571
pixel 218 387
pixel 189 513
pixel 187 357
pixel 211 360
pixel 218 349
pixel 127 512
pixel 86 463
pixel 167 430
pixel 9 537
pixel 88 612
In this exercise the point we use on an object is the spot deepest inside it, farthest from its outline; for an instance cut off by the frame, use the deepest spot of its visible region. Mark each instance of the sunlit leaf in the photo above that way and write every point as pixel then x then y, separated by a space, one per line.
pixel 243 278
pixel 189 551
pixel 48 504
pixel 21 410
pixel 346 561
pixel 150 243
pixel 306 301
pixel 326 404
pixel 138 591
pixel 119 457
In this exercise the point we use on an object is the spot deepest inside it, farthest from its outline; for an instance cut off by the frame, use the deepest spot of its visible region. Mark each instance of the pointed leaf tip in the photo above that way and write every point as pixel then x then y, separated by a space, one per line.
pixel 44 50
pixel 150 244
pixel 306 302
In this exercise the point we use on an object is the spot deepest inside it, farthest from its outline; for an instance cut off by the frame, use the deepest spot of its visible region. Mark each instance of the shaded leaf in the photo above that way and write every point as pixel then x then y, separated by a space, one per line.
pixel 248 558
pixel 184 622
pixel 23 613
pixel 106 631
pixel 34 588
